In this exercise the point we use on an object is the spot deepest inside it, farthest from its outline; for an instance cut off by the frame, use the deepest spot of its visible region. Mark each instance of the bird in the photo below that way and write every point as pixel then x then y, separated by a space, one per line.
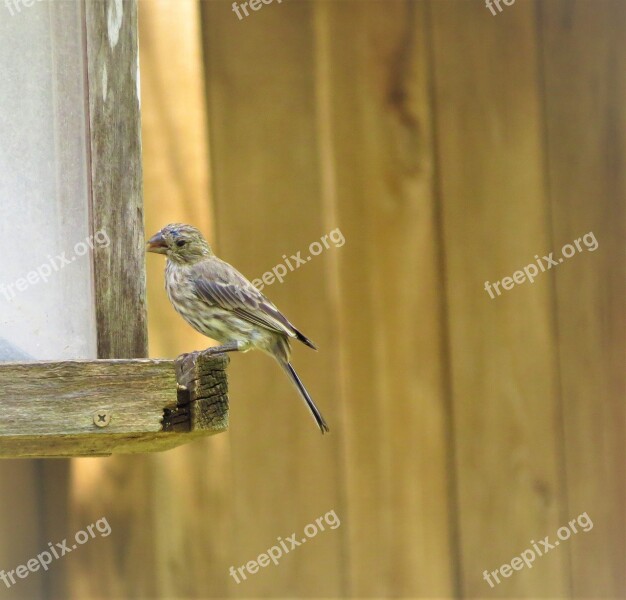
pixel 219 302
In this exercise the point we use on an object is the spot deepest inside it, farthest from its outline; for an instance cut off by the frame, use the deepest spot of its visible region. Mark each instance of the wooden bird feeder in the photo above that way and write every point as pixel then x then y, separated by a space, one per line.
pixel 74 380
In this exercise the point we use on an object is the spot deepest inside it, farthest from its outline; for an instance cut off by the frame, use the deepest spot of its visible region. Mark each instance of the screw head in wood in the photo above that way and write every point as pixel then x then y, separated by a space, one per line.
pixel 101 418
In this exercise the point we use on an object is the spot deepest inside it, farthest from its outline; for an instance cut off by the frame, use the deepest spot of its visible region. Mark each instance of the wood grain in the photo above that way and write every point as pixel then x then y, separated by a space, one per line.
pixel 265 164
pixel 503 351
pixel 584 62
pixel 378 162
pixel 50 408
pixel 116 176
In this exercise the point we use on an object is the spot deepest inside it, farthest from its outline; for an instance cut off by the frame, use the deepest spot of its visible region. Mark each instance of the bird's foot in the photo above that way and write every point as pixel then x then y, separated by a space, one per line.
pixel 229 347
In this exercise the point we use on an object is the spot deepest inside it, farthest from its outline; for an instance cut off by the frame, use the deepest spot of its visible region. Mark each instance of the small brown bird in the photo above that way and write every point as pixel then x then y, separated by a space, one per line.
pixel 219 302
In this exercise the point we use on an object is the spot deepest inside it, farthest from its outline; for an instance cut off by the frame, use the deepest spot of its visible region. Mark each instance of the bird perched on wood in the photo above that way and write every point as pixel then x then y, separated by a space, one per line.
pixel 219 302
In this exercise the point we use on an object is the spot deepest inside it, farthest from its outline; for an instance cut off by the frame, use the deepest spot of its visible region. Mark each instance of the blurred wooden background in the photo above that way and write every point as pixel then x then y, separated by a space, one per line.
pixel 450 147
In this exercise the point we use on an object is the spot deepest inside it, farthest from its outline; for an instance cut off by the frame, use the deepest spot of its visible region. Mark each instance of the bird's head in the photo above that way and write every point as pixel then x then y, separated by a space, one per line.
pixel 181 243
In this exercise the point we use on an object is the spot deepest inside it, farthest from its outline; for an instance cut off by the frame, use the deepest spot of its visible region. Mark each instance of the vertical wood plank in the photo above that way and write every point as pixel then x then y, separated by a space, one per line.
pixel 53 482
pixel 265 169
pixel 21 522
pixel 121 489
pixel 508 441
pixel 584 61
pixel 376 123
pixel 116 176
pixel 175 148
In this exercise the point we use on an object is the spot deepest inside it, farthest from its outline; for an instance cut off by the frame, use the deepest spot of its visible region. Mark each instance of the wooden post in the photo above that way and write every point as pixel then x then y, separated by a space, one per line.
pixel 116 177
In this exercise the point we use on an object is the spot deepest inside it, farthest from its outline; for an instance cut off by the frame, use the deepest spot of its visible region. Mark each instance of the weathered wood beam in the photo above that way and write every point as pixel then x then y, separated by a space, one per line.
pixel 116 177
pixel 102 407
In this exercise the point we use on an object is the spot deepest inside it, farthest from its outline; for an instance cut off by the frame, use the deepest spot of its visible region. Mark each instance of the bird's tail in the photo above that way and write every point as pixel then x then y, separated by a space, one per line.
pixel 317 415
pixel 304 339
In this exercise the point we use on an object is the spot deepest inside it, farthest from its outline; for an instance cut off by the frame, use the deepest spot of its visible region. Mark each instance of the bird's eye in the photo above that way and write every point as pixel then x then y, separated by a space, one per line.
pixel 181 243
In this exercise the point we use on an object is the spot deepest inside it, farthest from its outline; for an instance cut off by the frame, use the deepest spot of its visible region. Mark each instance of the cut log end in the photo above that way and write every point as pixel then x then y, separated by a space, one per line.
pixel 202 390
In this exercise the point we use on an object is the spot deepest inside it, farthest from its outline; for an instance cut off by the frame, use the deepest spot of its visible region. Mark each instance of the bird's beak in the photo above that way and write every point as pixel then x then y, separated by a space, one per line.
pixel 157 244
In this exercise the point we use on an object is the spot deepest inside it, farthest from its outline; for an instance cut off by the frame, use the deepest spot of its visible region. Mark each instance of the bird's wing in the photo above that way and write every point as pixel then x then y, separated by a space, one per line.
pixel 219 284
